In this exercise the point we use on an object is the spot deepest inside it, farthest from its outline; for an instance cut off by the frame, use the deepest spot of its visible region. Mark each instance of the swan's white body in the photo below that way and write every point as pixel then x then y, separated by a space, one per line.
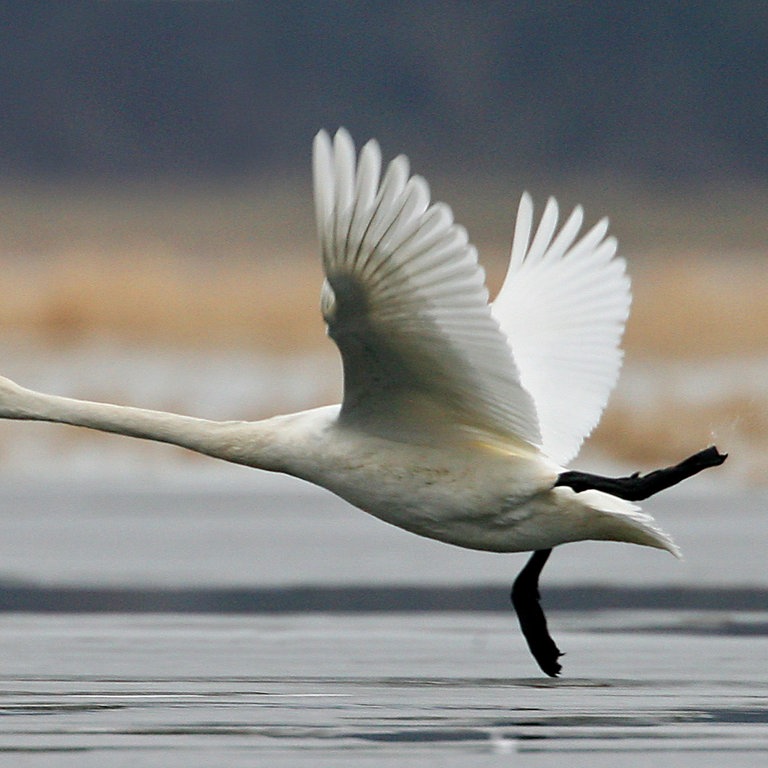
pixel 457 416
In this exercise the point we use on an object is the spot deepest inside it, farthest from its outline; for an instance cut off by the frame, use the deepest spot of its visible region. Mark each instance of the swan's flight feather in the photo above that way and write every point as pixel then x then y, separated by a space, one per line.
pixel 563 306
pixel 406 303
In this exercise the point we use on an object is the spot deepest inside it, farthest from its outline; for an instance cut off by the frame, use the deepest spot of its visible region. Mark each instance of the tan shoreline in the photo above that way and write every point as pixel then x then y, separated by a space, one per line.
pixel 688 307
pixel 201 272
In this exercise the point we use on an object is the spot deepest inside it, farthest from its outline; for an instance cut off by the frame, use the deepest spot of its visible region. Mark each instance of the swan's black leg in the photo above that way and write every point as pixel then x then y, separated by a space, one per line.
pixel 525 590
pixel 636 487
pixel 533 622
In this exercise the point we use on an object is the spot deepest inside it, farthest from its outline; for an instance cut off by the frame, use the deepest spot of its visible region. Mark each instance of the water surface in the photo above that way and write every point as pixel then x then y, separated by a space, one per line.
pixel 446 689
pixel 664 660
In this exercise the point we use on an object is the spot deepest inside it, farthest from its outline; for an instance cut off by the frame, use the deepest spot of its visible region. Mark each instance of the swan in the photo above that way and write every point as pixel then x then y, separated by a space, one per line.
pixel 459 416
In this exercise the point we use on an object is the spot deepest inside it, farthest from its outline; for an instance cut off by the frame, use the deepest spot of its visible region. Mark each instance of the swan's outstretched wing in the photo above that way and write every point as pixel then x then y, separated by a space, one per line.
pixel 563 306
pixel 406 303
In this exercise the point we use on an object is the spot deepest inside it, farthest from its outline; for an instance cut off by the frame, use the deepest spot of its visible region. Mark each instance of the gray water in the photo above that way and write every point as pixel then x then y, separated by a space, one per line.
pixel 369 661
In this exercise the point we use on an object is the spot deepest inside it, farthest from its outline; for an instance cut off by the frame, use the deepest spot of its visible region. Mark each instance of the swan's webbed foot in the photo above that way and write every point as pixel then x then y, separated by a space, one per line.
pixel 527 603
pixel 636 487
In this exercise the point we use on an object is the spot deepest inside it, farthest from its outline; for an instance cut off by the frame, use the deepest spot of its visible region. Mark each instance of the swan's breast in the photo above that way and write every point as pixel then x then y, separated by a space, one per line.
pixel 464 491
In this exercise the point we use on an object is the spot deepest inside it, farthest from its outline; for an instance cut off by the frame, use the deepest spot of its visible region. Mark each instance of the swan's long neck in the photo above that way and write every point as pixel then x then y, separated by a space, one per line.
pixel 259 444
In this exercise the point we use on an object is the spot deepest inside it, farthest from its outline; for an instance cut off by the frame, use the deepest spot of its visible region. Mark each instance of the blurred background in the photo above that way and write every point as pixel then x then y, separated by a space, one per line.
pixel 156 227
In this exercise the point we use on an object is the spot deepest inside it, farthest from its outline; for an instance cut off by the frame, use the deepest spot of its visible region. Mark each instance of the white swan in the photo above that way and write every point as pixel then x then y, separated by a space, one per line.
pixel 457 416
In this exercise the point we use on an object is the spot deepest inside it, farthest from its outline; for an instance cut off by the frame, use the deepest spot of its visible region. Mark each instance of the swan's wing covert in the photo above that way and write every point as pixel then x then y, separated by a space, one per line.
pixel 563 306
pixel 406 302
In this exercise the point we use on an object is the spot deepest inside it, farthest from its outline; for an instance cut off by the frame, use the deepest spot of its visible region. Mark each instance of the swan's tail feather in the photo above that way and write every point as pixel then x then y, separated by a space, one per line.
pixel 611 518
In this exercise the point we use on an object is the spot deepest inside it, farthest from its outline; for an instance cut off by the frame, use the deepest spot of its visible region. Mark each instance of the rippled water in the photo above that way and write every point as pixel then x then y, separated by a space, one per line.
pixel 664 660
pixel 394 690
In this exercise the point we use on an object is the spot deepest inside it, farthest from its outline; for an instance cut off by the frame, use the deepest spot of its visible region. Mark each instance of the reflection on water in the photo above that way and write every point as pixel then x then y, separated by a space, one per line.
pixel 395 690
